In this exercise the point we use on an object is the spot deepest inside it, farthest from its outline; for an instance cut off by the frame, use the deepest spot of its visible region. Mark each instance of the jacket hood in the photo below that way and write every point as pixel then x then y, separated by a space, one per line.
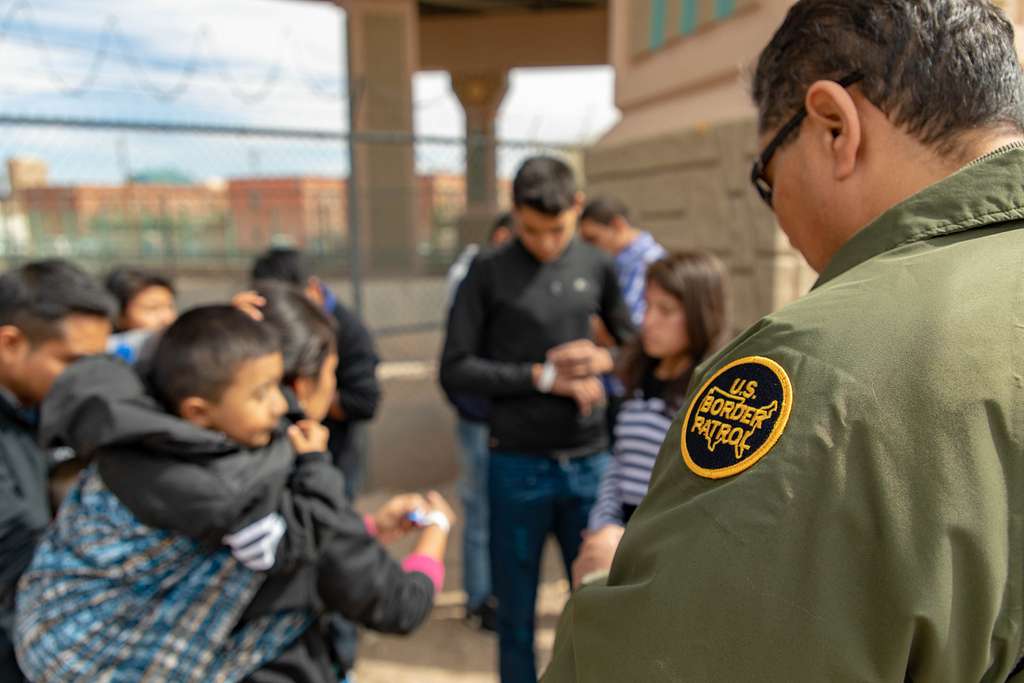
pixel 100 402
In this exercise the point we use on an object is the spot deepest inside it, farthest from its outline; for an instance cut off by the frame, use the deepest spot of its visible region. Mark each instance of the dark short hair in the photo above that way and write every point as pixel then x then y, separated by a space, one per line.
pixel 38 296
pixel 307 335
pixel 504 220
pixel 937 69
pixel 200 353
pixel 282 263
pixel 604 210
pixel 544 184
pixel 124 284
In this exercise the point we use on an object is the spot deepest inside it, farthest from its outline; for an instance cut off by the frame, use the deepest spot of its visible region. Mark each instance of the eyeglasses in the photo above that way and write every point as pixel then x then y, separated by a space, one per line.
pixel 761 184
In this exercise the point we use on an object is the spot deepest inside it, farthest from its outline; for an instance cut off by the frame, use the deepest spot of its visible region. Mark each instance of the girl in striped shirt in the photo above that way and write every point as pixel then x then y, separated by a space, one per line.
pixel 684 322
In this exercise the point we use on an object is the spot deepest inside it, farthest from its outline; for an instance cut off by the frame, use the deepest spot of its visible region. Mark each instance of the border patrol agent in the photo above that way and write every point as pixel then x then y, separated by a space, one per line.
pixel 843 497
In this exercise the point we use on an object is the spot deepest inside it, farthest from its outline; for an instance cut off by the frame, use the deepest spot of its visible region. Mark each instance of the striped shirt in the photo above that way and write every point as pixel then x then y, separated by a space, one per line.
pixel 631 265
pixel 640 428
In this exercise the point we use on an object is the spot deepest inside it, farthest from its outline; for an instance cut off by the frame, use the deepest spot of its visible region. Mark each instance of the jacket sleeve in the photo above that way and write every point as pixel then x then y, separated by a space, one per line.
pixel 850 552
pixel 310 506
pixel 20 530
pixel 362 582
pixel 614 312
pixel 608 507
pixel 463 369
pixel 358 388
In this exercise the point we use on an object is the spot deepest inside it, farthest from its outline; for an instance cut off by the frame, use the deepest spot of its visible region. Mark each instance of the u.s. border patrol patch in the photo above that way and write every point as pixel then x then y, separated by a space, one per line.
pixel 736 417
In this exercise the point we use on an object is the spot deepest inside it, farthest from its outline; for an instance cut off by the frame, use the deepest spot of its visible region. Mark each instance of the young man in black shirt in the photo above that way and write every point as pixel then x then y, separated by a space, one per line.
pixel 519 333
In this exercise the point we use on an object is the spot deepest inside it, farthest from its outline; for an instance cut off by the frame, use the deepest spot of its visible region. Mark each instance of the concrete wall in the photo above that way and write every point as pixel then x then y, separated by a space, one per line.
pixel 680 157
pixel 690 189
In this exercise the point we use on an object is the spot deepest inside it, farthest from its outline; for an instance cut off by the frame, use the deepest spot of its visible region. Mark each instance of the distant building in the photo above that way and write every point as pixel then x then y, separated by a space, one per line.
pixel 304 210
pixel 77 211
pixel 163 211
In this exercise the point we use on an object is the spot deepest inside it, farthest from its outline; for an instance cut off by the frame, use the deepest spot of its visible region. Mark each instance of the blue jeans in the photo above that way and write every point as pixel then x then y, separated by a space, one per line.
pixel 476 560
pixel 532 496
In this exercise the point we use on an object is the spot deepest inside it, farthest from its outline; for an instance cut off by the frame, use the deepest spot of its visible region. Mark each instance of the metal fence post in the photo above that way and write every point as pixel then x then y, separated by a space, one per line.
pixel 354 245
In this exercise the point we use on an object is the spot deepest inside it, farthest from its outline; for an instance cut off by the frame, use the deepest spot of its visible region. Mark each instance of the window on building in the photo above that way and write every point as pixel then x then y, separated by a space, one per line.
pixel 654 23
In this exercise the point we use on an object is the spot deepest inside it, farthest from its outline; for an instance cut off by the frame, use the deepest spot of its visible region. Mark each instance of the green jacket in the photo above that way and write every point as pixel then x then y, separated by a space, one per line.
pixel 866 522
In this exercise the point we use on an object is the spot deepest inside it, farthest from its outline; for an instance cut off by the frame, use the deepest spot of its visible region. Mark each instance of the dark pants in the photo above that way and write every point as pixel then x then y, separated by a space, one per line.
pixel 532 496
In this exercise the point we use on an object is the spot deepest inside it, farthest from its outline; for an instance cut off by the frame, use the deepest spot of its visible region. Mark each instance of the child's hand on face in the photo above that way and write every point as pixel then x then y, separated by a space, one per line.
pixel 308 436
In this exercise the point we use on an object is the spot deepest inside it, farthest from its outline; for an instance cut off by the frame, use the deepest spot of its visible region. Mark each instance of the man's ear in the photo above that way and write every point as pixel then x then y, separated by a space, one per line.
pixel 619 224
pixel 196 411
pixel 578 201
pixel 836 125
pixel 13 344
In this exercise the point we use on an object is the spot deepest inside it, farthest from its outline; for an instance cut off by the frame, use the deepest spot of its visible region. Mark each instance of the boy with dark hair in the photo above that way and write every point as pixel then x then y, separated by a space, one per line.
pixel 51 313
pixel 605 224
pixel 358 390
pixel 114 594
pixel 146 300
pixel 519 333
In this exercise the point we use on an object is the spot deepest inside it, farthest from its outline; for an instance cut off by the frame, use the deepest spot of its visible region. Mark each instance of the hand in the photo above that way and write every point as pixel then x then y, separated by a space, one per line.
pixel 255 546
pixel 587 392
pixel 308 436
pixel 249 303
pixel 580 359
pixel 437 502
pixel 392 519
pixel 596 553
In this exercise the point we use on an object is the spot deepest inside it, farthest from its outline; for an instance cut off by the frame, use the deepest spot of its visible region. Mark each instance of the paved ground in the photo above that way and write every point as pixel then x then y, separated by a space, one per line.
pixel 446 649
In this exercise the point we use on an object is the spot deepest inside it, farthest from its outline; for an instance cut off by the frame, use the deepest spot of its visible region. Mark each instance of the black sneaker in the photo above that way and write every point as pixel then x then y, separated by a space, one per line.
pixel 484 617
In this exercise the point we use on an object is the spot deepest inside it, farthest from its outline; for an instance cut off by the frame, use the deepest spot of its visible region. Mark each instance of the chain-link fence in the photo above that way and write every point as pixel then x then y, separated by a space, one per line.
pixel 200 202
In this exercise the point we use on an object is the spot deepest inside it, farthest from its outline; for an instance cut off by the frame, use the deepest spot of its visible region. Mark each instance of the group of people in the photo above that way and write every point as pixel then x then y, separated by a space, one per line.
pixel 570 343
pixel 172 497
pixel 833 495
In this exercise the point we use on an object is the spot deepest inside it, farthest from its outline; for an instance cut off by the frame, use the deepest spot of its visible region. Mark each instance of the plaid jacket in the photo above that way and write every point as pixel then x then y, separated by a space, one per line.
pixel 108 599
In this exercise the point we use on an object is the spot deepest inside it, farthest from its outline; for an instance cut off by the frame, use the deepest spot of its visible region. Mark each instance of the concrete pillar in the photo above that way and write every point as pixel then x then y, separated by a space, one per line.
pixel 383 54
pixel 481 95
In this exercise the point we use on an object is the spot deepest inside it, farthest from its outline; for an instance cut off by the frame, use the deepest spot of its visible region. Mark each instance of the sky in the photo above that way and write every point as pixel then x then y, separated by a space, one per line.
pixel 257 63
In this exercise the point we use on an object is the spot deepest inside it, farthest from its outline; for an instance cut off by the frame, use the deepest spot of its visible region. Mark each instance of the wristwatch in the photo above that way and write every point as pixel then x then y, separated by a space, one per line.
pixel 548 375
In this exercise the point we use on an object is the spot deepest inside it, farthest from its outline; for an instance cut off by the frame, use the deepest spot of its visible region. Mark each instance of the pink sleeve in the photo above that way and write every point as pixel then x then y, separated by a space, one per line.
pixel 370 524
pixel 423 564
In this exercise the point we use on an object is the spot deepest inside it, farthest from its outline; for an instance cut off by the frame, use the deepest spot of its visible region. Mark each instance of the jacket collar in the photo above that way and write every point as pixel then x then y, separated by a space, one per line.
pixel 12 410
pixel 984 193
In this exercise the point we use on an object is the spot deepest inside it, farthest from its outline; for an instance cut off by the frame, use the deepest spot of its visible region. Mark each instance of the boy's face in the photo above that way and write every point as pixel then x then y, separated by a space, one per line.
pixel 30 369
pixel 250 408
pixel 315 394
pixel 544 236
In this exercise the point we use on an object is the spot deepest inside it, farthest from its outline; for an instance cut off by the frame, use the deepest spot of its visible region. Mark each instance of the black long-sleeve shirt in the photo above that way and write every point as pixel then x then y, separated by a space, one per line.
pixel 510 310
